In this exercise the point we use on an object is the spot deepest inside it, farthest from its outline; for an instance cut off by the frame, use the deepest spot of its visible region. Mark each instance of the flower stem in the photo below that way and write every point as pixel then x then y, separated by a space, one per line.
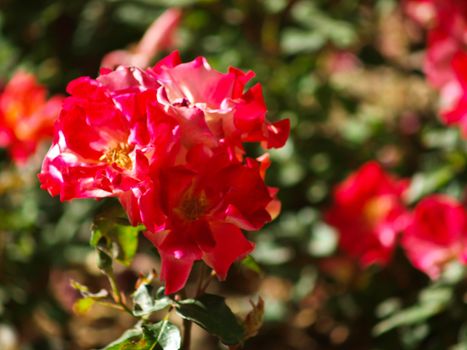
pixel 187 325
pixel 206 284
pixel 200 289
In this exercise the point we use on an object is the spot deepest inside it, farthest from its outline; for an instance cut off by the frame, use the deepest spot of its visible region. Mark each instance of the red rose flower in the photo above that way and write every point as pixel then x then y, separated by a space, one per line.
pixel 108 136
pixel 454 95
pixel 196 210
pixel 26 116
pixel 436 235
pixel 423 12
pixel 368 214
pixel 168 143
pixel 159 36
pixel 447 23
pixel 227 111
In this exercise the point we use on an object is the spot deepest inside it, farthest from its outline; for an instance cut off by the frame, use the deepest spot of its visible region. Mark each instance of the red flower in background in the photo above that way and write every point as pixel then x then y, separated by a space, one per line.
pixel 445 58
pixel 368 214
pixel 423 12
pixel 447 23
pixel 436 235
pixel 447 37
pixel 159 36
pixel 26 116
pixel 168 142
pixel 454 95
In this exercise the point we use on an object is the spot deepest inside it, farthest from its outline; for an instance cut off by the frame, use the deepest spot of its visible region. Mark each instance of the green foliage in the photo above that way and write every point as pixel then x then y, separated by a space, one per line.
pixel 145 301
pixel 161 335
pixel 84 304
pixel 431 302
pixel 319 29
pixel 211 313
pixel 250 263
pixel 114 240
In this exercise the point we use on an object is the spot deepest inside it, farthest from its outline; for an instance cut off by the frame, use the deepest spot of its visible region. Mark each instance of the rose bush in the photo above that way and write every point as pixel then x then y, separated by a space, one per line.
pixel 436 234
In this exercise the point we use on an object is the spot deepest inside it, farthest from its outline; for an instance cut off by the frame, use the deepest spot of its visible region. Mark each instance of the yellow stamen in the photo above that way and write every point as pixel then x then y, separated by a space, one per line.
pixel 118 155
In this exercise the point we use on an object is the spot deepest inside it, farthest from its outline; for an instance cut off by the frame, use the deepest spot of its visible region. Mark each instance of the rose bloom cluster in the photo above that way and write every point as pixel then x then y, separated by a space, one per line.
pixel 168 142
pixel 26 116
pixel 446 54
pixel 371 219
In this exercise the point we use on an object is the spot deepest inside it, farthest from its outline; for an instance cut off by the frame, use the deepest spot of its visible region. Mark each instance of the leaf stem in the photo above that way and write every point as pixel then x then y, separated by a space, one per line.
pixel 164 325
pixel 110 305
pixel 116 292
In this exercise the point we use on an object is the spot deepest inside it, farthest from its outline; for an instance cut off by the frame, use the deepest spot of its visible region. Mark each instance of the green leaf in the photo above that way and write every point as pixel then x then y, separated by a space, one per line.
pixel 82 306
pixel 131 339
pixel 115 239
pixel 162 335
pixel 341 33
pixel 211 313
pixel 250 263
pixel 462 339
pixel 409 316
pixel 428 182
pixel 254 319
pixel 323 240
pixel 84 291
pixel 146 301
pixel 294 41
pixel 167 335
pixel 431 302
pixel 104 261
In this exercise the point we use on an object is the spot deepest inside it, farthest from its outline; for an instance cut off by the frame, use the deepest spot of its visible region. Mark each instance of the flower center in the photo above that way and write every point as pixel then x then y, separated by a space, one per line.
pixel 13 112
pixel 376 209
pixel 193 207
pixel 118 155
